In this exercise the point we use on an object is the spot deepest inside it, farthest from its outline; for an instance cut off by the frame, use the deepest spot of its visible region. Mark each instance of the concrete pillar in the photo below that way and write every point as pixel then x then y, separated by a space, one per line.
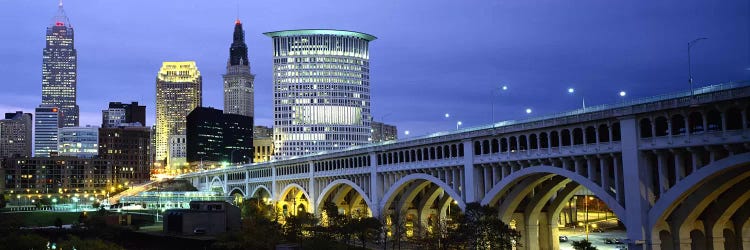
pixel 545 239
pixel 604 165
pixel 487 174
pixel 470 186
pixel 591 167
pixel 226 187
pixel 532 236
pixel 376 186
pixel 274 188
pixel 662 168
pixel 247 184
pixel 683 243
pixel 578 166
pixel 636 201
pixel 718 242
pixel 311 188
pixel 619 184
pixel 679 165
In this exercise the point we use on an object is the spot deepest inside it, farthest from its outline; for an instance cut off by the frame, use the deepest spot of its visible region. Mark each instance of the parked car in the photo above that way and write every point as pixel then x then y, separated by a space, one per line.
pixel 563 238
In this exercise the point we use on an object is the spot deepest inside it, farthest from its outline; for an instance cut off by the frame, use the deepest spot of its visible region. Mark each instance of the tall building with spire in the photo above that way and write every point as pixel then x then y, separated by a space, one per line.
pixel 178 91
pixel 238 81
pixel 60 69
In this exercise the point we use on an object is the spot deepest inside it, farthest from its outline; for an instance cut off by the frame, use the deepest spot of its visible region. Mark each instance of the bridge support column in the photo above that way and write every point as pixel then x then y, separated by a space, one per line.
pixel 636 201
pixel 718 242
pixel 470 185
pixel 274 189
pixel 311 192
pixel 376 186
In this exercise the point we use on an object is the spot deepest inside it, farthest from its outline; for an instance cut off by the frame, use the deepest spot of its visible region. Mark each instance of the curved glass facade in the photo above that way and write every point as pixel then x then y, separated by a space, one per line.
pixel 321 90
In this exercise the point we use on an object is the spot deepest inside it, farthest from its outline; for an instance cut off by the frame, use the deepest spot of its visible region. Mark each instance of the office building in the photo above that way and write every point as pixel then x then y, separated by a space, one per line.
pixel 81 142
pixel 178 91
pixel 262 149
pixel 58 177
pixel 383 132
pixel 123 113
pixel 60 69
pixel 321 85
pixel 214 137
pixel 238 81
pixel 48 120
pixel 15 135
pixel 127 151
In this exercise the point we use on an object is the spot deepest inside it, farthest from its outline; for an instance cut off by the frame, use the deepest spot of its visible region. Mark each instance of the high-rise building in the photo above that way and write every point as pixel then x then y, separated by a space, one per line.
pixel 81 142
pixel 321 86
pixel 15 135
pixel 123 113
pixel 262 144
pixel 238 81
pixel 126 150
pixel 48 120
pixel 60 69
pixel 217 137
pixel 178 91
pixel 383 132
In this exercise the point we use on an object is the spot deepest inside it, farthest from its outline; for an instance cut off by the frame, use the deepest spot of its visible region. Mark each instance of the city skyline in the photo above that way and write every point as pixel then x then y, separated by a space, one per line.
pixel 410 56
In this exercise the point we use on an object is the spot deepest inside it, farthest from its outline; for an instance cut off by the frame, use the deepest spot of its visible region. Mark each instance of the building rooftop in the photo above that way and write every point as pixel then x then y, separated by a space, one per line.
pixel 301 32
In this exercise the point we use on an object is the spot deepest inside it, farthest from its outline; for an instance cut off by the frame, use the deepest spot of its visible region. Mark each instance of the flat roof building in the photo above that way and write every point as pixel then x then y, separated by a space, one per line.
pixel 321 86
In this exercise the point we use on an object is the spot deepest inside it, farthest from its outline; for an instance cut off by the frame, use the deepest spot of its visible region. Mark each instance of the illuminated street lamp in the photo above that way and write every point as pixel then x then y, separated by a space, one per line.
pixel 458 124
pixel 406 132
pixel 572 91
pixel 528 111
pixel 492 99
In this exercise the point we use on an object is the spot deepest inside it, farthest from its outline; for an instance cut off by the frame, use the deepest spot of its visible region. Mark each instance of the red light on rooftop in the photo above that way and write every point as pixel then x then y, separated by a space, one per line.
pixel 59 24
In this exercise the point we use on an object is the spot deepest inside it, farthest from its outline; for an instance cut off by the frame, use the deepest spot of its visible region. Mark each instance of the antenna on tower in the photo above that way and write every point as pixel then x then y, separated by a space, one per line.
pixel 238 9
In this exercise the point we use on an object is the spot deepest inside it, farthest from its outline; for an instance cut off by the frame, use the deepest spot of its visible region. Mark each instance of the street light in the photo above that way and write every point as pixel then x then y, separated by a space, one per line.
pixel 447 115
pixel 492 100
pixel 583 99
pixel 690 66
pixel 458 124
pixel 406 132
pixel 528 111
pixel 622 95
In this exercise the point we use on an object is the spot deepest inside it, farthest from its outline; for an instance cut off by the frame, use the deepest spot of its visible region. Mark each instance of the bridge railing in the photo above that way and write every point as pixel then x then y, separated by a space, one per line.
pixel 592 109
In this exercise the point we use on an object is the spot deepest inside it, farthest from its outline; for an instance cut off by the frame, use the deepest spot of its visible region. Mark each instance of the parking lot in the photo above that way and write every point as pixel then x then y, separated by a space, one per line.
pixel 598 239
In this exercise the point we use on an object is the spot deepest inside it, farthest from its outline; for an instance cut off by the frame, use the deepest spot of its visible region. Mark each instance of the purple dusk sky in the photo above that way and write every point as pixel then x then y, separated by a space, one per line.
pixel 431 57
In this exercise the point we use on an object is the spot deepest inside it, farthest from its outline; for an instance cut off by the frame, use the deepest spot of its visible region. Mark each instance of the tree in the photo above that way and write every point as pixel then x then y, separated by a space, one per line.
pixel 366 229
pixel 583 245
pixel 480 228
pixel 2 201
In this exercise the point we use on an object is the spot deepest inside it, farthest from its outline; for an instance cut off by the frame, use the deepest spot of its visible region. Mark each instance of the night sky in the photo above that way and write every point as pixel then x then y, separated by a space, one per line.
pixel 431 57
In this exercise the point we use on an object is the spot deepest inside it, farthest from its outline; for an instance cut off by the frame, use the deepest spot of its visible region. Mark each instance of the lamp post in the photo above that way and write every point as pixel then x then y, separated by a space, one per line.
pixel 528 111
pixel 690 66
pixel 492 100
pixel 458 124
pixel 572 91
pixel 622 95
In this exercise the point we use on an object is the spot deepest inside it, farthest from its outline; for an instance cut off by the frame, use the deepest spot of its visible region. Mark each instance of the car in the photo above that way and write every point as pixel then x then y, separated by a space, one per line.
pixel 563 238
pixel 609 241
pixel 199 231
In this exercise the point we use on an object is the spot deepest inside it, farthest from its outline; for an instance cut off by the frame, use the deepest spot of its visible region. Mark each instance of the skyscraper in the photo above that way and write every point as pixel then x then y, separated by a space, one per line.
pixel 238 81
pixel 48 120
pixel 119 113
pixel 321 85
pixel 215 137
pixel 59 69
pixel 15 135
pixel 81 142
pixel 178 91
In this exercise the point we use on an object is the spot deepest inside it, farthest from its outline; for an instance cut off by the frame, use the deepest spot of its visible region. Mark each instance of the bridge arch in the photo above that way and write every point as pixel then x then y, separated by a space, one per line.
pixel 236 190
pixel 401 184
pixel 506 183
pixel 304 205
pixel 711 197
pixel 216 182
pixel 330 188
pixel 259 188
